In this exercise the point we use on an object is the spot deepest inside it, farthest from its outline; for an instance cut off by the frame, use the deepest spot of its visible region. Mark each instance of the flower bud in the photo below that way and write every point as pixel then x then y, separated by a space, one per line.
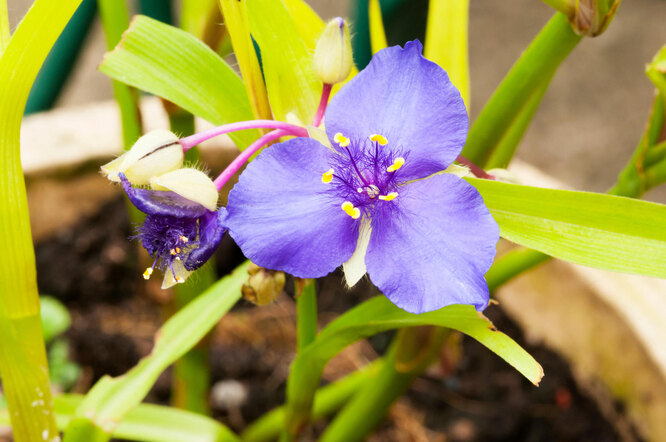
pixel 189 183
pixel 589 17
pixel 333 55
pixel 263 286
pixel 155 153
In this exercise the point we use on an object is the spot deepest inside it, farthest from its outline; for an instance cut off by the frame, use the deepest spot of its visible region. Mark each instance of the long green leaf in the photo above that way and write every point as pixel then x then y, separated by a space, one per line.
pixel 602 231
pixel 173 64
pixel 293 87
pixel 375 316
pixel 446 41
pixel 148 423
pixel 23 365
pixel 112 398
pixel 376 27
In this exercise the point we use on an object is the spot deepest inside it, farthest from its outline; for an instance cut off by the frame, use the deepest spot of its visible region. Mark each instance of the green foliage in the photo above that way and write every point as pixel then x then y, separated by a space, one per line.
pixel 293 87
pixel 603 231
pixel 173 64
pixel 148 423
pixel 112 398
pixel 378 315
pixel 23 365
pixel 55 317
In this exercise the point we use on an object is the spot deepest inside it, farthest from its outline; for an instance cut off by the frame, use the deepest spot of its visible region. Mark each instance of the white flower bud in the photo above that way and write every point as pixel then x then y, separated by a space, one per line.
pixel 153 154
pixel 189 183
pixel 333 55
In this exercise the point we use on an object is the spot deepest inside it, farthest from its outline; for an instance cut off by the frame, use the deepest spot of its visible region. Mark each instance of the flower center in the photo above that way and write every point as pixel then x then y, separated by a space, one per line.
pixel 364 173
pixel 168 239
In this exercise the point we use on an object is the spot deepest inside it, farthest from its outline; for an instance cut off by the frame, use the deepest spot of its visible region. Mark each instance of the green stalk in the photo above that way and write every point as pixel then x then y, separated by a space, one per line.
pixel 533 70
pixel 115 20
pixel 327 401
pixel 23 365
pixel 410 354
pixel 306 310
pixel 506 147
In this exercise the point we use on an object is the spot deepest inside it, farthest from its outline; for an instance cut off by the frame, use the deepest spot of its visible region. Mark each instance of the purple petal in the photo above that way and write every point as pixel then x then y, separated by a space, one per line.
pixel 410 101
pixel 162 202
pixel 434 247
pixel 211 231
pixel 284 218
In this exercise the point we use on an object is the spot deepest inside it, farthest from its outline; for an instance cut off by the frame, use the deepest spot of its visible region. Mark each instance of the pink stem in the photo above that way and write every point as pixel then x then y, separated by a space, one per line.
pixel 476 170
pixel 291 129
pixel 238 162
pixel 325 94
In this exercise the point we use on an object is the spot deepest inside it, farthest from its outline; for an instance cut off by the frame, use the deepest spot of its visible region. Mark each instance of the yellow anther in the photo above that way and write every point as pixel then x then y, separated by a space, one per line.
pixel 381 139
pixel 327 177
pixel 147 273
pixel 389 196
pixel 172 251
pixel 397 164
pixel 177 249
pixel 184 239
pixel 341 139
pixel 180 280
pixel 350 210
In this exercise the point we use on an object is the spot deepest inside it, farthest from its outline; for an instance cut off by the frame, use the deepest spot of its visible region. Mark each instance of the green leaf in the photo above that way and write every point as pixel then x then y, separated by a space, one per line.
pixel 602 231
pixel 375 316
pixel 55 317
pixel 149 423
pixel 173 64
pixel 446 41
pixel 293 87
pixel 23 364
pixel 112 398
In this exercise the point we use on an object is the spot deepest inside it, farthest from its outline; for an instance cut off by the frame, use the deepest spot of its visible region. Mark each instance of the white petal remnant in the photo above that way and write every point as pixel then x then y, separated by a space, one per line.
pixel 189 183
pixel 155 153
pixel 354 268
pixel 178 275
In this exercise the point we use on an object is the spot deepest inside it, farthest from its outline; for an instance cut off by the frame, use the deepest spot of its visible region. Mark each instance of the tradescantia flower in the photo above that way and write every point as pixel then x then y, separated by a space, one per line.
pixel 183 226
pixel 375 199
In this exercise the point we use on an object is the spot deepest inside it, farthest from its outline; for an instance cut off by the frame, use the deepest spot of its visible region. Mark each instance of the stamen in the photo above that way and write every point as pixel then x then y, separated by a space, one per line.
pixel 327 177
pixel 379 139
pixel 397 164
pixel 341 139
pixel 147 273
pixel 184 239
pixel 180 280
pixel 350 210
pixel 172 251
pixel 177 249
pixel 389 196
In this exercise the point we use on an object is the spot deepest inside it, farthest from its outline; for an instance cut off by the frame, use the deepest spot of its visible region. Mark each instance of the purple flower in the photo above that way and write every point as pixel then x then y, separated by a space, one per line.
pixel 376 200
pixel 179 233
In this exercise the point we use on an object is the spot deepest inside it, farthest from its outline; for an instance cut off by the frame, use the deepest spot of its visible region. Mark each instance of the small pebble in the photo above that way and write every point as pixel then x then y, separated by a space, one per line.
pixel 228 394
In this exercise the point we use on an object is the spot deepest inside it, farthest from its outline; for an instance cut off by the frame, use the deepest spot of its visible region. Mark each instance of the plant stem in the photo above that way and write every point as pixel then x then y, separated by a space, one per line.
pixel 323 103
pixel 306 309
pixel 115 20
pixel 289 129
pixel 327 400
pixel 532 71
pixel 23 364
pixel 242 158
pixel 409 356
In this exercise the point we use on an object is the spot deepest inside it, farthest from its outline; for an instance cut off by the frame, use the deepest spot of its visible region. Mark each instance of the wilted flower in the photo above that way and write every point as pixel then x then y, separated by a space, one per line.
pixel 153 154
pixel 376 198
pixel 183 226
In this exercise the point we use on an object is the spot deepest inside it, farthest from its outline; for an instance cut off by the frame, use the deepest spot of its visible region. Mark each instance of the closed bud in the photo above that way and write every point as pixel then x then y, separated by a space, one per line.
pixel 155 153
pixel 263 286
pixel 589 17
pixel 333 55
